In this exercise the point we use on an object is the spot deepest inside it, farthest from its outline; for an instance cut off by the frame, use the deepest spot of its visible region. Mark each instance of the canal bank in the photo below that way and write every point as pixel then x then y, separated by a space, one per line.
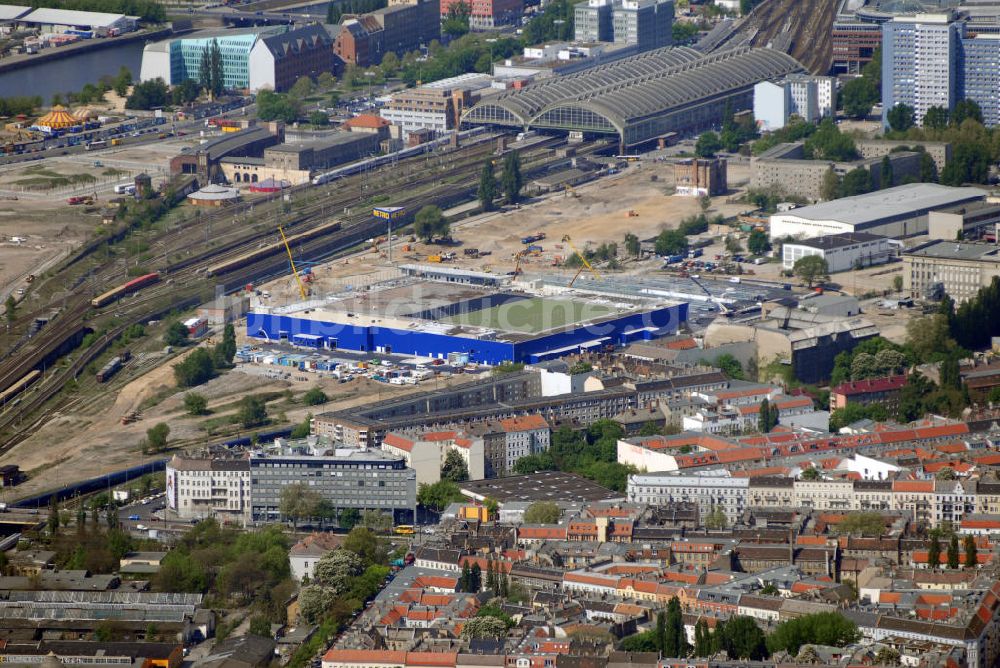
pixel 67 69
pixel 83 46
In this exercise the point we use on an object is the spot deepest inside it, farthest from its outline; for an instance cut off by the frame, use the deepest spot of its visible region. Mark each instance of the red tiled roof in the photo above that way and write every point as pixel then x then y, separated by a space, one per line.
pixel 368 121
pixel 397 441
pixel 913 486
pixel 681 344
pixel 524 423
pixel 870 385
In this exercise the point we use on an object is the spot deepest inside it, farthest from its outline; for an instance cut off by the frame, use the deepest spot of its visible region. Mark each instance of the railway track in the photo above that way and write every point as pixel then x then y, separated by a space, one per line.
pixel 800 28
pixel 184 284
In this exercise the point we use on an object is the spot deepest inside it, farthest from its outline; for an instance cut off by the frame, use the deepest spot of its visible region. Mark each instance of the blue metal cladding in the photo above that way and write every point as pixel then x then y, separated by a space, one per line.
pixel 636 326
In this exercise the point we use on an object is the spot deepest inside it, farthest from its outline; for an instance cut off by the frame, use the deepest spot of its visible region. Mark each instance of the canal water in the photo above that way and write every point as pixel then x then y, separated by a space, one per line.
pixel 65 75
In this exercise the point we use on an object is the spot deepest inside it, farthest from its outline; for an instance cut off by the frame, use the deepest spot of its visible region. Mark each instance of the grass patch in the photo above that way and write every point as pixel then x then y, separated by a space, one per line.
pixel 531 316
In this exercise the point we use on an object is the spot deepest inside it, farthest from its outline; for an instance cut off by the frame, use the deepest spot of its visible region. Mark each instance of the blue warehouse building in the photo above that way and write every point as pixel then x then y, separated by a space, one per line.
pixel 421 337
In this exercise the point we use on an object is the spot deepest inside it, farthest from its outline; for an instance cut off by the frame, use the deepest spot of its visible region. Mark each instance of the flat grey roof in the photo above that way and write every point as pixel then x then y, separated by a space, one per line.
pixel 321 143
pixel 957 251
pixel 912 198
pixel 832 241
pixel 11 12
pixel 541 486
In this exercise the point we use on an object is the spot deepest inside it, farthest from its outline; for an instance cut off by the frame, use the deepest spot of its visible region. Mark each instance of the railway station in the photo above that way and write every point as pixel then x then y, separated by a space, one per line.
pixel 641 98
pixel 435 318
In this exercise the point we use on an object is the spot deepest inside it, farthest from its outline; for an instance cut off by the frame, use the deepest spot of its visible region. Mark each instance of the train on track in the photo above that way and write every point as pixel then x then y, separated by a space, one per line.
pixel 269 250
pixel 374 163
pixel 20 386
pixel 134 285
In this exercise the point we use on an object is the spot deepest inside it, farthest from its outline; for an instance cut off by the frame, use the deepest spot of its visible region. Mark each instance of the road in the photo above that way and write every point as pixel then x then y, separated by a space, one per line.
pixel 132 132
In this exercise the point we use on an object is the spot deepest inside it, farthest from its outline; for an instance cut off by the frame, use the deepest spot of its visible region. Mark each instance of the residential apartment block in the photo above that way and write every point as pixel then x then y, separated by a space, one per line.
pixel 808 97
pixel 647 24
pixel 935 60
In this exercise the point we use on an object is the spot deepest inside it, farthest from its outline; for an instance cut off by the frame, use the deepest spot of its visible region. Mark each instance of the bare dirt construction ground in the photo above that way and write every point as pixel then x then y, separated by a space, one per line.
pixel 48 230
pixel 89 440
pixel 598 214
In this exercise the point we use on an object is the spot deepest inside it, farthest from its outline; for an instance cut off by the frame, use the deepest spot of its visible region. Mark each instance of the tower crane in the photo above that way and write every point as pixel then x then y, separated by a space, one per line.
pixel 566 240
pixel 295 272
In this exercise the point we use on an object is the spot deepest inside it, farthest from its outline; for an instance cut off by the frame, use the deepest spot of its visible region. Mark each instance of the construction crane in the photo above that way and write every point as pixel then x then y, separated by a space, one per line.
pixel 567 240
pixel 517 261
pixel 725 310
pixel 291 261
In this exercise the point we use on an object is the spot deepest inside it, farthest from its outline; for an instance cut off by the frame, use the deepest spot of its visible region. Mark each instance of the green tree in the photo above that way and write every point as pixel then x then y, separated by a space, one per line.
pixel 632 245
pixel 225 351
pixel 822 628
pixel 716 519
pixel 830 188
pixel 487 192
pixel 318 118
pixel 708 145
pixel 858 181
pixel 885 174
pixel 671 242
pixel 302 88
pixel 11 308
pixel 730 366
pixel 829 143
pixel 858 96
pixel 456 22
pixel 252 412
pixel 936 118
pixel 966 109
pixel 149 95
pixel 216 81
pixel 260 625
pixel 675 640
pixel 953 556
pixel 950 374
pixel 430 222
pixel 196 368
pixel 702 639
pixel 685 32
pixel 363 542
pixel 733 246
pixel 810 474
pixel 971 553
pixel 484 628
pixel 176 334
pixel 439 495
pixel 811 268
pixel 934 553
pixel 349 518
pixel 767 417
pixel 862 524
pixel 298 502
pixel 184 93
pixel 900 117
pixel 928 168
pixel 315 396
pixel 454 467
pixel 758 243
pixel 741 638
pixel 195 404
pixel 156 437
pixel 390 64
pixel 122 81
pixel 510 179
pixel 314 600
pixel 542 512
pixel 273 106
pixel 897 283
